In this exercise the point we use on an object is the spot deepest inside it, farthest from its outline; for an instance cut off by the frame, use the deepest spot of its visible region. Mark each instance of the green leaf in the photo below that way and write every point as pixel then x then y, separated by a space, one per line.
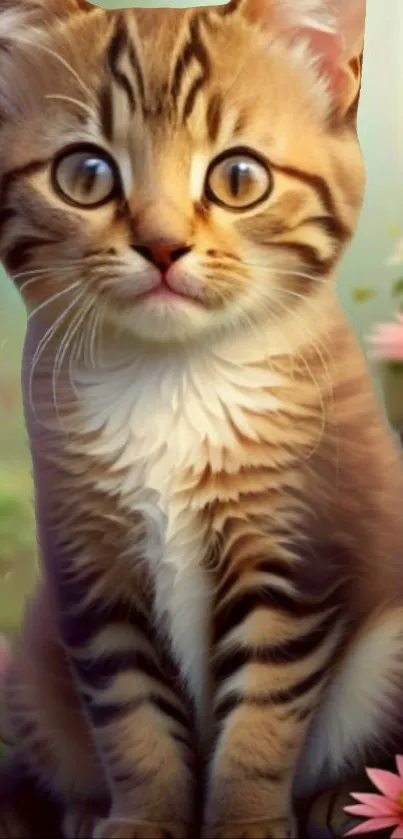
pixel 361 294
pixel 395 366
pixel 397 288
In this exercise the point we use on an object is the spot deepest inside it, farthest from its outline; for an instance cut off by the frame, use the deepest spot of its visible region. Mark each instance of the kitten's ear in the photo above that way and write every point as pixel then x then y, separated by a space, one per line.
pixel 334 31
pixel 37 12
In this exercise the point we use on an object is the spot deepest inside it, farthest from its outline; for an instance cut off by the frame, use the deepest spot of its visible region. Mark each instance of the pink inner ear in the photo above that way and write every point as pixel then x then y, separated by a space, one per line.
pixel 329 52
pixel 334 50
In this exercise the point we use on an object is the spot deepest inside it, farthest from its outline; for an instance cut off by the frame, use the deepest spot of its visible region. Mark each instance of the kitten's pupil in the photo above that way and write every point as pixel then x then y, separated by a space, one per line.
pixel 91 178
pixel 240 178
pixel 87 175
pixel 235 177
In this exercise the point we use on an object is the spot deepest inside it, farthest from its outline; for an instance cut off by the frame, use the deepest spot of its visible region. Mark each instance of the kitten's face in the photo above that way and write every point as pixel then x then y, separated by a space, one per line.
pixel 178 173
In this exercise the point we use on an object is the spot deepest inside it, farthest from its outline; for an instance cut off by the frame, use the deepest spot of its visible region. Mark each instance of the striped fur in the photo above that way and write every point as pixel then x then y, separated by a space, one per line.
pixel 217 495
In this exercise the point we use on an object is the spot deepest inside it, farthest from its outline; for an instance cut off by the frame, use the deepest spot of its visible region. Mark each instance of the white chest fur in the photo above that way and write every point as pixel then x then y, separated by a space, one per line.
pixel 156 416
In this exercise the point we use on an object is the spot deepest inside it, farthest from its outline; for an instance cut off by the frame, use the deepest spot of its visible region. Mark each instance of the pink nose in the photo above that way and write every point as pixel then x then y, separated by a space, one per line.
pixel 161 255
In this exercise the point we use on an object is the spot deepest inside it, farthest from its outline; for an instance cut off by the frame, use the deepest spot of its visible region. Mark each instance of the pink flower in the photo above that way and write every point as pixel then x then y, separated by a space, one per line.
pixel 387 340
pixel 382 811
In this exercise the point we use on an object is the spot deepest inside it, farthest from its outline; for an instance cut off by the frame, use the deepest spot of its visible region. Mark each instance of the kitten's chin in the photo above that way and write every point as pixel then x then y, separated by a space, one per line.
pixel 160 320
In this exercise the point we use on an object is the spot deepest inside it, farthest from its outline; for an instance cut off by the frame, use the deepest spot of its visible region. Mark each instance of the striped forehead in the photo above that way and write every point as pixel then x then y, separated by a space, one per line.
pixel 161 77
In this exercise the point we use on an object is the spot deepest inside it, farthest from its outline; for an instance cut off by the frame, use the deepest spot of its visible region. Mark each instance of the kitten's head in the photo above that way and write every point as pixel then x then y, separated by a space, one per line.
pixel 178 172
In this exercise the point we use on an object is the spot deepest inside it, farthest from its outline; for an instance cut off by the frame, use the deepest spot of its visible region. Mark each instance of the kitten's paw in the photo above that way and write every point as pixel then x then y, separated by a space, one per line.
pixel 279 829
pixel 121 828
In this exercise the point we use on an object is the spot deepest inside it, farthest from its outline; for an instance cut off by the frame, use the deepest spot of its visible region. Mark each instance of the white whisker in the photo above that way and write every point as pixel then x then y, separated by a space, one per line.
pixel 63 348
pixel 52 299
pixel 287 273
pixel 87 336
pixel 43 343
pixel 99 363
pixel 72 101
pixel 302 274
pixel 36 44
pixel 93 335
pixel 77 348
pixel 30 272
pixel 40 273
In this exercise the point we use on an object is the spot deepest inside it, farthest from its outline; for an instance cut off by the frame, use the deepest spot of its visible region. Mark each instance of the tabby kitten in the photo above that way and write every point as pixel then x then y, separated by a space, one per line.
pixel 220 614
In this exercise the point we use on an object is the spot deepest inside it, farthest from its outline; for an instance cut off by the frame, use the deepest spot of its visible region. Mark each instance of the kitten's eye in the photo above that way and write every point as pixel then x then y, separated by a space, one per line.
pixel 86 177
pixel 238 180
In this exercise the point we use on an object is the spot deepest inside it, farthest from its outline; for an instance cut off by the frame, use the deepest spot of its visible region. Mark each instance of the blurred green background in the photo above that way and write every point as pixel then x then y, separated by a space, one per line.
pixel 16 517
pixel 365 284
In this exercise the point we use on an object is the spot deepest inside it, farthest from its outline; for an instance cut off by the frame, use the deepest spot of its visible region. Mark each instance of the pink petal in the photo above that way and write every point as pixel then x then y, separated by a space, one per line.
pixel 387 350
pixel 393 336
pixel 398 833
pixel 371 826
pixel 384 806
pixel 399 764
pixel 387 334
pixel 363 811
pixel 388 783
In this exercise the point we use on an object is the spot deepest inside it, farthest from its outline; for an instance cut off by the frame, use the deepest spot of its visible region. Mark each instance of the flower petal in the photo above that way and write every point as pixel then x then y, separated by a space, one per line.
pixel 384 806
pixel 398 833
pixel 371 826
pixel 399 764
pixel 364 811
pixel 388 783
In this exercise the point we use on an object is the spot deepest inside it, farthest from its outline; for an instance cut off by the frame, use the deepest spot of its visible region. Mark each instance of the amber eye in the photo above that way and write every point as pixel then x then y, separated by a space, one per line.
pixel 86 176
pixel 238 180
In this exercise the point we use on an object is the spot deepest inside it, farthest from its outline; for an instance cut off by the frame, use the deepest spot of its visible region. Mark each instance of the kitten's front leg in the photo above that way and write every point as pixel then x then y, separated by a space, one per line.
pixel 140 726
pixel 272 654
pixel 139 723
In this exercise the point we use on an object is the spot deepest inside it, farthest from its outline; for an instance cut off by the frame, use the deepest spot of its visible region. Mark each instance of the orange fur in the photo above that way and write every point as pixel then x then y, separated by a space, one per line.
pixel 218 497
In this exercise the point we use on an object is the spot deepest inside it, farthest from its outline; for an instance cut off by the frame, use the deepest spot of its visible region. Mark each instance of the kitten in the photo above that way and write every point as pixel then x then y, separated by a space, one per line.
pixel 220 612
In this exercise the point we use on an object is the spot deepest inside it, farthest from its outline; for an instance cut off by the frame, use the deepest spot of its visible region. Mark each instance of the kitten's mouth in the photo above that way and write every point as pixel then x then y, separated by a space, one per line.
pixel 174 286
pixel 161 292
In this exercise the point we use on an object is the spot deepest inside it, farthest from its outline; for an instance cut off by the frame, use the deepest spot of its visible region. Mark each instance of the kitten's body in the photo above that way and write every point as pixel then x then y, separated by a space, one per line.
pixel 218 497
